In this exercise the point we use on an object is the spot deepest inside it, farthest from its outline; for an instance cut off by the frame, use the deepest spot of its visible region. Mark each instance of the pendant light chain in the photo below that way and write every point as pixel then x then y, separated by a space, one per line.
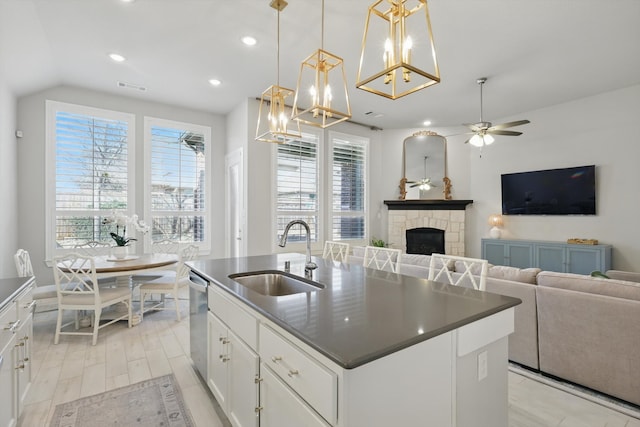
pixel 278 50
pixel 322 30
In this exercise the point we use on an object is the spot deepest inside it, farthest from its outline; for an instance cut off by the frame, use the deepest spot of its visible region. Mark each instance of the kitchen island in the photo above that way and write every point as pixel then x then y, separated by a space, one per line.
pixel 370 348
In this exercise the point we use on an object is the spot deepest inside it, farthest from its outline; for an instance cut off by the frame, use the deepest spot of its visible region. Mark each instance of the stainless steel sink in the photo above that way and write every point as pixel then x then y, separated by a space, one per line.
pixel 275 283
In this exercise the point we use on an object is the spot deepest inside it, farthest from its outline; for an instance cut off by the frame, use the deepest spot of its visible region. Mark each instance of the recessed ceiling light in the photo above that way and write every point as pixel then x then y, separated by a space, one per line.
pixel 127 1
pixel 116 57
pixel 249 41
pixel 426 123
pixel 215 82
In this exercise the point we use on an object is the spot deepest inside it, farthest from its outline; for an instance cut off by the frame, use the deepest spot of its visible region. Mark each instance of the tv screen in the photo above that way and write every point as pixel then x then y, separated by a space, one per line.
pixel 567 191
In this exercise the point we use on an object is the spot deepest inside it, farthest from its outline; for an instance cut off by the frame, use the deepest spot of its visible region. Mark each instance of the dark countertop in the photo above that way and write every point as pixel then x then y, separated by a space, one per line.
pixel 362 314
pixel 10 288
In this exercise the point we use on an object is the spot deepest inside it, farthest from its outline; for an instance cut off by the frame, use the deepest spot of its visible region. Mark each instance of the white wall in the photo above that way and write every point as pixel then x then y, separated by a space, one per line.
pixel 9 219
pixel 600 130
pixel 31 160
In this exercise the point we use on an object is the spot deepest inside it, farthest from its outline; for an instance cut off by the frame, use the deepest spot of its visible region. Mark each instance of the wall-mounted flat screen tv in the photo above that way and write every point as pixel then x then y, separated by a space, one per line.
pixel 567 191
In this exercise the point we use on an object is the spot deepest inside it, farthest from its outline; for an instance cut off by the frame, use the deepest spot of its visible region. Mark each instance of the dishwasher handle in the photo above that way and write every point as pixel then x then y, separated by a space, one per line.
pixel 197 283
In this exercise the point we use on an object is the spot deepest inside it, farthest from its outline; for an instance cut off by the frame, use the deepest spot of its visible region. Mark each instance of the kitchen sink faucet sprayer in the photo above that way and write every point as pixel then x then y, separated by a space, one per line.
pixel 309 265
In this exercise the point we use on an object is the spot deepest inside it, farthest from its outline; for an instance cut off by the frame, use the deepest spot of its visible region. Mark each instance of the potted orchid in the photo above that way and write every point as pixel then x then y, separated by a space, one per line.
pixel 120 237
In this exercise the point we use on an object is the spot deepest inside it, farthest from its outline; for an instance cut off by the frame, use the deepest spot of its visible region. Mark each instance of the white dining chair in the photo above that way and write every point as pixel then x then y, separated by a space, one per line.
pixel 473 270
pixel 169 284
pixel 96 248
pixel 44 295
pixel 78 290
pixel 381 258
pixel 336 251
pixel 166 246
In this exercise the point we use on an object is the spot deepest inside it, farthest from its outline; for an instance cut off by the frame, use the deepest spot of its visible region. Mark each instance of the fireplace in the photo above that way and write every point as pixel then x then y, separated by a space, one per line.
pixel 425 241
pixel 446 215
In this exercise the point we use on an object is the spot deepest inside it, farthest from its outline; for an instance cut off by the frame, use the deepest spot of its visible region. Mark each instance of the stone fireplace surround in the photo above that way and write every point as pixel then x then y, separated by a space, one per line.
pixel 447 215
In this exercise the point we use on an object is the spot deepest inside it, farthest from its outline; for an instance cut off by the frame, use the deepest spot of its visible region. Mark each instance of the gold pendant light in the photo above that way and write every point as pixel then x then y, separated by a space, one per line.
pixel 273 119
pixel 397 46
pixel 322 98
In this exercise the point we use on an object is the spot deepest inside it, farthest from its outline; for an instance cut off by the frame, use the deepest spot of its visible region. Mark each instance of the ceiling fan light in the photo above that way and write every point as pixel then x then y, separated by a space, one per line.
pixel 476 141
pixel 488 140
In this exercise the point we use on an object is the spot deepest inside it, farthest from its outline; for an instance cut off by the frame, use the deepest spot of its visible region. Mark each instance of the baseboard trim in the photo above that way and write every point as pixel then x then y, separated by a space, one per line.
pixel 610 402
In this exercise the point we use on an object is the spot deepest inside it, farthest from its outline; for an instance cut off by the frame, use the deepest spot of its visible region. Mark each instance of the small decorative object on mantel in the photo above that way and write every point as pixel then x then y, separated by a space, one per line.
pixel 446 192
pixel 576 241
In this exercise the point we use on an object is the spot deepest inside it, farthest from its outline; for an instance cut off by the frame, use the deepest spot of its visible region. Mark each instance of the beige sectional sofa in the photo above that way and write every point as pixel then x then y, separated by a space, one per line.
pixel 575 327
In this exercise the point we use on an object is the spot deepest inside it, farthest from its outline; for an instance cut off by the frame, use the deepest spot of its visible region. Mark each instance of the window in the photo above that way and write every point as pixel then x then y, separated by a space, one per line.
pixel 300 193
pixel 177 185
pixel 348 190
pixel 297 187
pixel 89 159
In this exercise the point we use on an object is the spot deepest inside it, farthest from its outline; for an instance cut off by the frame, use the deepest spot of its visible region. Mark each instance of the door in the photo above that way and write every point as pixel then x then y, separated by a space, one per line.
pixel 235 204
pixel 218 371
pixel 244 365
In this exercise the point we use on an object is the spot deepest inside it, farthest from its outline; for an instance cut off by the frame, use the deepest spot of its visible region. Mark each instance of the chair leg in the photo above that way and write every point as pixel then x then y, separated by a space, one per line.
pixel 130 304
pixel 142 297
pixel 96 326
pixel 58 326
pixel 77 319
pixel 175 298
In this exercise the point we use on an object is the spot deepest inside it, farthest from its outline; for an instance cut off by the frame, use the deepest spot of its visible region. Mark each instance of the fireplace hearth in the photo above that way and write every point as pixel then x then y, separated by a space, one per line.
pixel 425 241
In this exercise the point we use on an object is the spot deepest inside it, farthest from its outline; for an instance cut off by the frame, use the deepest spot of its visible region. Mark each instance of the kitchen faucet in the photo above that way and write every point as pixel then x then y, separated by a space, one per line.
pixel 309 265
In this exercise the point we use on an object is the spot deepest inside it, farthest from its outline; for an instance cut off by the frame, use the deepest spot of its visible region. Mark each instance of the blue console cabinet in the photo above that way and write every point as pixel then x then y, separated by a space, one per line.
pixel 550 256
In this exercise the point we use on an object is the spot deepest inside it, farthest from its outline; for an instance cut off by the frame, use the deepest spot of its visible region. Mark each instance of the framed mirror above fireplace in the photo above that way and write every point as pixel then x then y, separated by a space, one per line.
pixel 424 167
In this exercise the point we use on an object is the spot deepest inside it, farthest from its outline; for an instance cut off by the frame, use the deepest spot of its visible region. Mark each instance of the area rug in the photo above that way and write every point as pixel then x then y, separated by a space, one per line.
pixel 154 402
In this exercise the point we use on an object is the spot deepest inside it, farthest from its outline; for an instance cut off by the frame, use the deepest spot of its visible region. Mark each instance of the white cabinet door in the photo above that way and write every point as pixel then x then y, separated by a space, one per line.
pixel 281 407
pixel 23 359
pixel 244 365
pixel 8 404
pixel 218 375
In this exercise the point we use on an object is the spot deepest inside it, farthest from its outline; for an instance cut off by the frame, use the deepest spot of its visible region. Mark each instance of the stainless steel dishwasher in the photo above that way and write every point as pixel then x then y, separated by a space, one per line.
pixel 198 323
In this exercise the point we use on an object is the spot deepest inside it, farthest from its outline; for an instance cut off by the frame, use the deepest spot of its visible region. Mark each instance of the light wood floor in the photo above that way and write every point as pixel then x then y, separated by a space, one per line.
pixel 160 345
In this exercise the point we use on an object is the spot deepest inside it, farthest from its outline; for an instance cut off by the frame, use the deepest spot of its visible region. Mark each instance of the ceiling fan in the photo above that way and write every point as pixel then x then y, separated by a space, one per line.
pixel 424 184
pixel 482 130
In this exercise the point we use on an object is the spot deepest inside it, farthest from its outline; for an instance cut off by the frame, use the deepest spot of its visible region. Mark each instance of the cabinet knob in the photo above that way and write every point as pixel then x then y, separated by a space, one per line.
pixel 257 380
pixel 21 366
pixel 293 372
pixel 258 409
pixel 276 359
pixel 224 340
pixel 224 358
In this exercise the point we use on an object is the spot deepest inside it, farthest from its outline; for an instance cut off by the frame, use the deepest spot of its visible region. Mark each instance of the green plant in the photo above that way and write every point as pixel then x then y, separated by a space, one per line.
pixel 378 243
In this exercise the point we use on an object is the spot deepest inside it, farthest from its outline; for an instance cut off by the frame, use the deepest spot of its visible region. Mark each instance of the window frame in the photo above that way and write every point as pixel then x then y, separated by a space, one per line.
pixel 325 186
pixel 149 122
pixel 51 110
pixel 330 213
pixel 300 246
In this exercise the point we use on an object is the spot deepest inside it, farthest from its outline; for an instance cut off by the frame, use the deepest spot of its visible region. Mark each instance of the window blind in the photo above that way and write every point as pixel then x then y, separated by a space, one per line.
pixel 348 188
pixel 297 186
pixel 178 193
pixel 91 164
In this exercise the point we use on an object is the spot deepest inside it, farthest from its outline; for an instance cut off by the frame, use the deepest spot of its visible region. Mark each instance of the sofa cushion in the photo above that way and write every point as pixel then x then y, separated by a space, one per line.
pixel 524 275
pixel 629 276
pixel 414 259
pixel 592 285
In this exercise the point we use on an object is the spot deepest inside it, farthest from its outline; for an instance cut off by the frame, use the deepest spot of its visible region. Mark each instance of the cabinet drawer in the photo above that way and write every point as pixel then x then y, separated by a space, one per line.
pixel 241 322
pixel 315 383
pixel 25 303
pixel 8 318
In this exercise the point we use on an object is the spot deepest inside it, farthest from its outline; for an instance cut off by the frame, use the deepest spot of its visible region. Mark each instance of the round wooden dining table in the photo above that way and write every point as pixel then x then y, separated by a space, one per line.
pixel 123 270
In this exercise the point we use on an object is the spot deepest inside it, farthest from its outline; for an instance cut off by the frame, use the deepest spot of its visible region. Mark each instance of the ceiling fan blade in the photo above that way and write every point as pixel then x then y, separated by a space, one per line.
pixel 509 124
pixel 467 141
pixel 504 132
pixel 472 126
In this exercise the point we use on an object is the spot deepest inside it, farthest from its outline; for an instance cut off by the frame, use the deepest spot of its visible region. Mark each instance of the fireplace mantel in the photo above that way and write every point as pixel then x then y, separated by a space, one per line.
pixel 427 204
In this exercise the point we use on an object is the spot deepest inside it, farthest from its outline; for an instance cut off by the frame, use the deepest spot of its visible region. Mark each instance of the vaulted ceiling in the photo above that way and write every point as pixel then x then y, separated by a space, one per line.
pixel 536 53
